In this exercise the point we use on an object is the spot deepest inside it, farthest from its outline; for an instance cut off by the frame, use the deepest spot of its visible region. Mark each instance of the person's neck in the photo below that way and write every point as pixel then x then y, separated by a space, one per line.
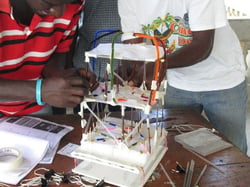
pixel 22 11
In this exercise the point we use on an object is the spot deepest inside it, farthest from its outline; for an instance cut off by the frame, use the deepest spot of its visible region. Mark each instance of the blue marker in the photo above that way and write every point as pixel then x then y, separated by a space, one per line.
pixel 112 124
pixel 100 139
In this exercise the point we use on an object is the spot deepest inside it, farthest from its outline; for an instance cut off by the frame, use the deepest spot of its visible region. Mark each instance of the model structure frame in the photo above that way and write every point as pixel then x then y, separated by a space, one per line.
pixel 122 151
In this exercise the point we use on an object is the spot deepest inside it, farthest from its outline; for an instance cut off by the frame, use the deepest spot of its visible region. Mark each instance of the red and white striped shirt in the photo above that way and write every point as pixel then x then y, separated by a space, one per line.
pixel 24 50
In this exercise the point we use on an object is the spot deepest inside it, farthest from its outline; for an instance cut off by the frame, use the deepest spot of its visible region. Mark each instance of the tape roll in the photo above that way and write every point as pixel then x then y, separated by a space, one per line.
pixel 10 158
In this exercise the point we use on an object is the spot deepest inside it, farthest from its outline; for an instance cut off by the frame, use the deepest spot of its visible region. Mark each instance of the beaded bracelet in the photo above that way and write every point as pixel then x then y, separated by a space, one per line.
pixel 39 92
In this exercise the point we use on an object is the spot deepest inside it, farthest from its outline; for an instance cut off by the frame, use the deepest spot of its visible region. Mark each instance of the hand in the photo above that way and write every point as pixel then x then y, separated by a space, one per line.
pixel 68 87
pixel 127 70
pixel 138 78
pixel 90 77
pixel 148 69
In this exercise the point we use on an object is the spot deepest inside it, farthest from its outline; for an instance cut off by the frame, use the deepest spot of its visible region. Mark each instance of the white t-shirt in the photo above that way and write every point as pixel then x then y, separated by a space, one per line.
pixel 224 68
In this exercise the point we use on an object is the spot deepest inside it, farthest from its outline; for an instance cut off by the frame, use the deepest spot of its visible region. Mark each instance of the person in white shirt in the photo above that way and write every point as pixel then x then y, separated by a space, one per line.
pixel 206 70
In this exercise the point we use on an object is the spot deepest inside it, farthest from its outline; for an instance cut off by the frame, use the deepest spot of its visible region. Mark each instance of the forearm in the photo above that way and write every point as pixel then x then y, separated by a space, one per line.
pixel 25 90
pixel 186 56
pixel 15 90
pixel 198 50
pixel 133 41
pixel 55 65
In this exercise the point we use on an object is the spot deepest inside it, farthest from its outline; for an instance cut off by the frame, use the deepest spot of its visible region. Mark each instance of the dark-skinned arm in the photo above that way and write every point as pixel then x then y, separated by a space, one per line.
pixel 60 87
pixel 55 85
pixel 198 50
pixel 16 90
pixel 193 53
pixel 65 87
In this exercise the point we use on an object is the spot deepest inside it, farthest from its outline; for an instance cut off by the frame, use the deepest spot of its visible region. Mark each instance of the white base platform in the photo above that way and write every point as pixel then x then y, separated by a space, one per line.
pixel 118 175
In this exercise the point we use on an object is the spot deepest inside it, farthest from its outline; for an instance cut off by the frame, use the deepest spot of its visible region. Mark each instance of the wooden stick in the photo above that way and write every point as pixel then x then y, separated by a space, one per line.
pixel 186 175
pixel 190 173
pixel 165 172
pixel 207 161
pixel 198 179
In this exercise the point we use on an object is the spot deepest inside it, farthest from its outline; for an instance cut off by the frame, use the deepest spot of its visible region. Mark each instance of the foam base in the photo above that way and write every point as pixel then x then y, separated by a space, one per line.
pixel 114 158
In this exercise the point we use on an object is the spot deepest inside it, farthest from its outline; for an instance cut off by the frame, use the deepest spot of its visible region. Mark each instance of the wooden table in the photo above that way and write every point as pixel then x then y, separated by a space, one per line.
pixel 234 164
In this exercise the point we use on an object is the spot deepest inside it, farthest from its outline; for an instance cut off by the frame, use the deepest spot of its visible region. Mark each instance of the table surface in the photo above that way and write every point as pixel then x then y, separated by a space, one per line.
pixel 234 164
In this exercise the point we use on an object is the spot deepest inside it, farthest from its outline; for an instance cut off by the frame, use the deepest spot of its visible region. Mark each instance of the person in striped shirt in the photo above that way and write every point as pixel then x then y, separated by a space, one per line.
pixel 35 38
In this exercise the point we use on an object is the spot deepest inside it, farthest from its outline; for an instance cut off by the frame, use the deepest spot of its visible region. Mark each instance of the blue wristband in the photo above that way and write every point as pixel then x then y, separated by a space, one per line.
pixel 39 92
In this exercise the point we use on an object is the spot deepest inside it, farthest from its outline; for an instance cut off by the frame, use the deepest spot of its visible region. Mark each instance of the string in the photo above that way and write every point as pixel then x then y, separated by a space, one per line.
pixel 134 129
pixel 79 180
pixel 167 175
pixel 53 178
pixel 100 121
pixel 187 127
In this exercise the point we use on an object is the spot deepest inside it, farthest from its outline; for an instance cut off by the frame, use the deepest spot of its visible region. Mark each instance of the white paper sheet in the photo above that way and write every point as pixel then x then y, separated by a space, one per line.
pixel 32 150
pixel 68 149
pixel 140 52
pixel 39 128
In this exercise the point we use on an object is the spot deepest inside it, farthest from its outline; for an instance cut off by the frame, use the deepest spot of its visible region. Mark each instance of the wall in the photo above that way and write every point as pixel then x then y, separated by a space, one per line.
pixel 242 28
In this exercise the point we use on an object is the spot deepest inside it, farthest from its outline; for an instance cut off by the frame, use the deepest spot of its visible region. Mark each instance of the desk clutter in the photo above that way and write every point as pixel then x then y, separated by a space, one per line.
pixel 21 136
pixel 168 172
pixel 45 177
